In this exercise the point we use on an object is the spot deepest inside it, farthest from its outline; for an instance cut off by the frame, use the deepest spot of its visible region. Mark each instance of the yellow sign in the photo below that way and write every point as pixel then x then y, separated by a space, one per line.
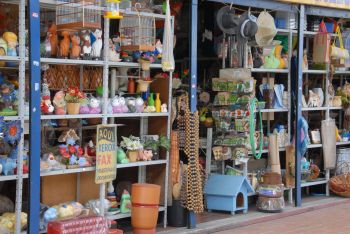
pixel 106 153
pixel 342 4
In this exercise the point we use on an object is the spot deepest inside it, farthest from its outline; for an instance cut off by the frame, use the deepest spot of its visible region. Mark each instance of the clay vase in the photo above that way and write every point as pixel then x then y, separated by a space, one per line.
pixel 157 103
pixel 131 86
pixel 144 211
pixel 73 108
pixel 133 155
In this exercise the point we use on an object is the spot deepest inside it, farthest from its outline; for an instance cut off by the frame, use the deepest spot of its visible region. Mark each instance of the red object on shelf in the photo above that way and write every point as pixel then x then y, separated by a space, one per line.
pixel 86 225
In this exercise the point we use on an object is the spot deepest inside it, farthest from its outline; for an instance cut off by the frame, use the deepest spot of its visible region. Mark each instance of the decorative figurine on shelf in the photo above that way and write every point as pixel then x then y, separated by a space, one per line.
pixel 3 47
pixel 139 104
pixel 116 42
pixel 94 106
pixel 8 165
pixel 164 108
pixel 46 106
pixel 116 107
pixel 121 156
pixel 158 51
pixel 64 44
pixel 84 106
pixel 59 103
pixel 90 152
pixel 145 155
pixel 53 39
pixel 97 44
pixel 50 214
pixel 8 99
pixel 75 53
pixel 124 107
pixel 125 203
pixel 113 55
pixel 12 43
pixel 314 99
pixel 86 50
pixel 47 50
pixel 71 152
pixel 131 104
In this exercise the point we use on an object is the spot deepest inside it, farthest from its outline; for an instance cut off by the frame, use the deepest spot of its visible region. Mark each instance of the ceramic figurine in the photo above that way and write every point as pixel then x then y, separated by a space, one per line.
pixel 12 43
pixel 65 211
pixel 164 108
pixel 75 53
pixel 50 214
pixel 46 106
pixel 65 44
pixel 116 107
pixel 320 93
pixel 150 109
pixel 314 99
pixel 84 106
pixel 86 50
pixel 3 47
pixel 59 103
pixel 131 104
pixel 82 162
pixel 47 46
pixel 121 156
pixel 145 155
pixel 97 44
pixel 8 165
pixel 91 150
pixel 53 39
pixel 94 106
pixel 123 106
pixel 139 104
pixel 113 55
pixel 125 203
pixel 8 98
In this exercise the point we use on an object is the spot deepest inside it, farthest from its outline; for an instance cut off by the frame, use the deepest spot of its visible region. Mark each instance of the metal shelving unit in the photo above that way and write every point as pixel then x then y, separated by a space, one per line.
pixel 106 65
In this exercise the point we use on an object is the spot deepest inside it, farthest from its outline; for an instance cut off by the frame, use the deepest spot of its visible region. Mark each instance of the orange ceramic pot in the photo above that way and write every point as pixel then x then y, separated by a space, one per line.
pixel 144 212
pixel 145 194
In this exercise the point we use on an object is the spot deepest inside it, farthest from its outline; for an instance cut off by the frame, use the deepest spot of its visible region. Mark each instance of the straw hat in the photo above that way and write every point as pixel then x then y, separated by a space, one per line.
pixel 266 29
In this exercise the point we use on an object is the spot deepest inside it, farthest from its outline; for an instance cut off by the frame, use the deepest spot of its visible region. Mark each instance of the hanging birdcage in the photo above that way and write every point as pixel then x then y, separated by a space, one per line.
pixel 137 33
pixel 78 14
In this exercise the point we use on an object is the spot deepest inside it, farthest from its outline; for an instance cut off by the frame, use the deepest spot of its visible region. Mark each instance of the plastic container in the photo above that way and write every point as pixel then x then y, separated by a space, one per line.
pixel 177 215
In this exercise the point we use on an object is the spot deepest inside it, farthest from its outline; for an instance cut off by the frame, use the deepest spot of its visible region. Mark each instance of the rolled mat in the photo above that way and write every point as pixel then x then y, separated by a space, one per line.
pixel 328 129
pixel 274 156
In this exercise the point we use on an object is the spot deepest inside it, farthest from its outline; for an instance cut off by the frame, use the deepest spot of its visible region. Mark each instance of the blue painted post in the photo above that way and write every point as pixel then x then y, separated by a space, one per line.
pixel 299 106
pixel 191 219
pixel 34 115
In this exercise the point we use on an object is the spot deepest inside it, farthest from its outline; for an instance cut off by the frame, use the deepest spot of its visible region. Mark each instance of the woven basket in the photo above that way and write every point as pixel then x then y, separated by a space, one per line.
pixel 340 184
pixel 64 76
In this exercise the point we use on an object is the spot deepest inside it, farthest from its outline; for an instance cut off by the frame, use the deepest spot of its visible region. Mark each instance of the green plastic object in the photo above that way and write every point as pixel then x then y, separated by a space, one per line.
pixel 125 203
pixel 121 156
pixel 99 91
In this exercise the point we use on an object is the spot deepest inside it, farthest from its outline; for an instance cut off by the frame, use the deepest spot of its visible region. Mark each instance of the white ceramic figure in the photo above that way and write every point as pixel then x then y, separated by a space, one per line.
pixel 94 106
pixel 320 93
pixel 97 46
pixel 314 99
pixel 123 105
pixel 139 103
pixel 164 108
pixel 113 55
pixel 116 107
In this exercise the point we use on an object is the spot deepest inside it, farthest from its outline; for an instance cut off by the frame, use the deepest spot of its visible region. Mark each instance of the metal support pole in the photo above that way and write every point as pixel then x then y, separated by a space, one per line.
pixel 299 106
pixel 105 97
pixel 34 115
pixel 191 223
pixel 21 97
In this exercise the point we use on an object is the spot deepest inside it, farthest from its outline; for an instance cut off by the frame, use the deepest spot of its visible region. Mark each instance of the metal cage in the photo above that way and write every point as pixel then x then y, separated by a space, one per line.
pixel 137 33
pixel 78 14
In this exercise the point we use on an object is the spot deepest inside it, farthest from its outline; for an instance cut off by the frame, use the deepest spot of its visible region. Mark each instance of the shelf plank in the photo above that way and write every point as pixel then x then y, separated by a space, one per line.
pixel 315 72
pixel 79 116
pixel 131 65
pixel 9 58
pixel 273 110
pixel 72 61
pixel 313 183
pixel 129 115
pixel 263 70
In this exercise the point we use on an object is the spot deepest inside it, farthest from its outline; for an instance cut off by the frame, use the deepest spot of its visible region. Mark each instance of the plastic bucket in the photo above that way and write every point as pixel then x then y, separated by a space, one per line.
pixel 177 215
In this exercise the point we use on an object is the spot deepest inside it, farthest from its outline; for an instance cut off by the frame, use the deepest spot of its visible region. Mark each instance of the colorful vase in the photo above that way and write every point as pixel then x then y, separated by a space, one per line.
pixel 151 100
pixel 157 103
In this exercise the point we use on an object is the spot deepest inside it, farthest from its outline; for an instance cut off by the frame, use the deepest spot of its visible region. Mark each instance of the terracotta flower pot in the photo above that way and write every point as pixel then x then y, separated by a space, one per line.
pixel 144 213
pixel 133 155
pixel 73 108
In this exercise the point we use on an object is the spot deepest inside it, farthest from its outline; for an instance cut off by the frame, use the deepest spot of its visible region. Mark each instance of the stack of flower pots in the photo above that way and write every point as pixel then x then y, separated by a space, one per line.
pixel 145 203
pixel 270 192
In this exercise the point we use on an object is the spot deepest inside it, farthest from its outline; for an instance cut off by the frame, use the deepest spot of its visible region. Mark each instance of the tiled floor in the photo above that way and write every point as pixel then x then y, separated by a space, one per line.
pixel 214 222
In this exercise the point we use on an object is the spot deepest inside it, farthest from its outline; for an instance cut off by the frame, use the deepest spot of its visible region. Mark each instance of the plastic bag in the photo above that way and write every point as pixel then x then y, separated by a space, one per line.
pixel 168 62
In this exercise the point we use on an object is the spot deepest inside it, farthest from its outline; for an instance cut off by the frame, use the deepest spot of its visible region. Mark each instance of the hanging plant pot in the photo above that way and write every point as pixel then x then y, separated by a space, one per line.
pixel 143 85
pixel 73 108
pixel 133 155
pixel 145 65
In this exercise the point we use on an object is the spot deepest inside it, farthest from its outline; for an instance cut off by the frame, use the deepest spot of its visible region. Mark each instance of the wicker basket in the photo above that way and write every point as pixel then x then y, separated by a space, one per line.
pixel 340 184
